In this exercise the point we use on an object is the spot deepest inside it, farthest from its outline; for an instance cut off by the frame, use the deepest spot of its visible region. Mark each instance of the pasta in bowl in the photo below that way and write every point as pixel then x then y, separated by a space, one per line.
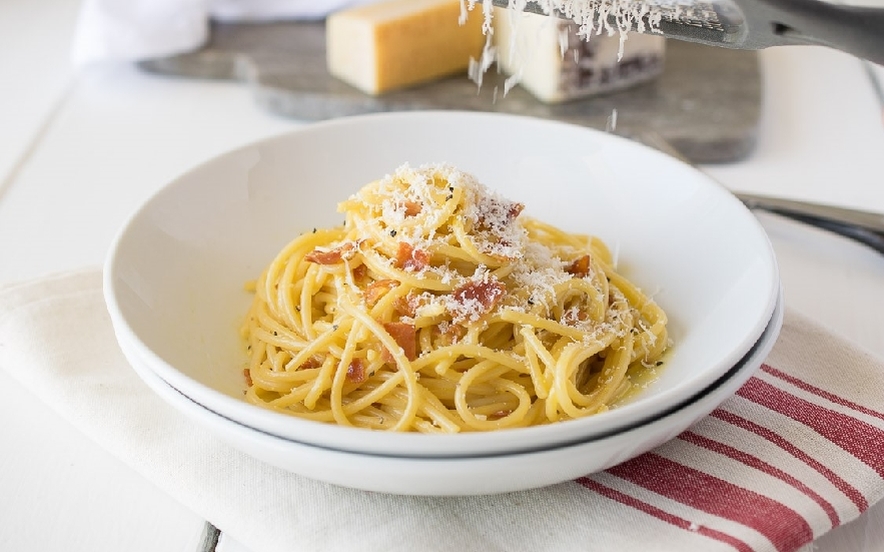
pixel 175 284
pixel 439 307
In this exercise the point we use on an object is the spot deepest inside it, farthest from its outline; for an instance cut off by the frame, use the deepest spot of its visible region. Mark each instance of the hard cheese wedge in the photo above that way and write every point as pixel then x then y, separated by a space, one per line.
pixel 398 43
pixel 555 64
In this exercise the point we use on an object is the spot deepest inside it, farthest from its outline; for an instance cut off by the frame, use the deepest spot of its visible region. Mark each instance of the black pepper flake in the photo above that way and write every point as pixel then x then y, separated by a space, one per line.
pixel 275 334
pixel 314 230
pixel 531 301
pixel 393 233
pixel 334 327
pixel 449 197
pixel 659 363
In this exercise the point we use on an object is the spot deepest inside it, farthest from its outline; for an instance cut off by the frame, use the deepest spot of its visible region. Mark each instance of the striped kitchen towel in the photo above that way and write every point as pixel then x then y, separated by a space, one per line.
pixel 797 451
pixel 780 463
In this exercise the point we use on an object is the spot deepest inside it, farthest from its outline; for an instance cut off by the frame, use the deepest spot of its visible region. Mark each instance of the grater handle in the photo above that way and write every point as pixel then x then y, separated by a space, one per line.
pixel 857 30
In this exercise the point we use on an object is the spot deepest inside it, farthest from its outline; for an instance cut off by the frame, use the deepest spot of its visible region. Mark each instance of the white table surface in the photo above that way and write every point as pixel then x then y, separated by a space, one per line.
pixel 80 151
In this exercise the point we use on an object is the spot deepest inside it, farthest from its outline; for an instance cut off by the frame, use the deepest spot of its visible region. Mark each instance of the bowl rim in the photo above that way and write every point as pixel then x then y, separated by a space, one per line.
pixel 337 436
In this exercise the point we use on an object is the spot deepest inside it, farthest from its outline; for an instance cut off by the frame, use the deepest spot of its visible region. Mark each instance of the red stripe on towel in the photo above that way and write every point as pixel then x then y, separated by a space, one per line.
pixel 762 466
pixel 821 392
pixel 663 515
pixel 862 440
pixel 849 490
pixel 783 526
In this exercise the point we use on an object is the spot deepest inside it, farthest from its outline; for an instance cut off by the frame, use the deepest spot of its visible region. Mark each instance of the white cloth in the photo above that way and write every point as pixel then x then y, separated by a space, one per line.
pixel 141 29
pixel 796 452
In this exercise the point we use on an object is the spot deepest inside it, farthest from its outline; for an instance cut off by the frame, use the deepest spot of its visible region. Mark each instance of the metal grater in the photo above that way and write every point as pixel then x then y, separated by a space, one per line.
pixel 745 24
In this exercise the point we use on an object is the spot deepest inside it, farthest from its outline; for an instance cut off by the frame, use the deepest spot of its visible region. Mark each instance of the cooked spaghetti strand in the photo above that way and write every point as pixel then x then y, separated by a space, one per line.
pixel 439 307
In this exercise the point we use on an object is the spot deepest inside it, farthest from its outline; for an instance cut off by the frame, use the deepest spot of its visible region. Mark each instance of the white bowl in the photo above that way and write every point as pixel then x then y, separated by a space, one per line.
pixel 174 277
pixel 470 475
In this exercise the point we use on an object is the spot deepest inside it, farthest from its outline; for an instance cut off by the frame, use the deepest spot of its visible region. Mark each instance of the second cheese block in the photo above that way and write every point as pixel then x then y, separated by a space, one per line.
pixel 556 65
pixel 399 43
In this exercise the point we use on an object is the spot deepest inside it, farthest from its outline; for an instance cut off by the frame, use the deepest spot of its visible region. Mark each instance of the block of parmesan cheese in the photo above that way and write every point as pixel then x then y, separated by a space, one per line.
pixel 399 43
pixel 548 58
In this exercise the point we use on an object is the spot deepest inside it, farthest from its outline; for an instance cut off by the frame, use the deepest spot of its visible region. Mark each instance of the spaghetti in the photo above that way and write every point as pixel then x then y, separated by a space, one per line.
pixel 439 307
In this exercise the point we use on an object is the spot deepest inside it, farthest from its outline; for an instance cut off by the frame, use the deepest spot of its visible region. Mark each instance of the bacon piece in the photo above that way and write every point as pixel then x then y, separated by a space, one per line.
pixel 497 214
pixel 500 414
pixel 409 258
pixel 475 298
pixel 376 290
pixel 574 316
pixel 248 374
pixel 325 257
pixel 407 305
pixel 360 272
pixel 405 336
pixel 387 356
pixel 580 267
pixel 332 256
pixel 448 334
pixel 356 371
pixel 412 208
pixel 310 364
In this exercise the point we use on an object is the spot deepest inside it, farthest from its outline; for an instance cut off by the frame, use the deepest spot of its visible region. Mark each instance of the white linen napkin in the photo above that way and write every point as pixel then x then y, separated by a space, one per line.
pixel 141 29
pixel 795 453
